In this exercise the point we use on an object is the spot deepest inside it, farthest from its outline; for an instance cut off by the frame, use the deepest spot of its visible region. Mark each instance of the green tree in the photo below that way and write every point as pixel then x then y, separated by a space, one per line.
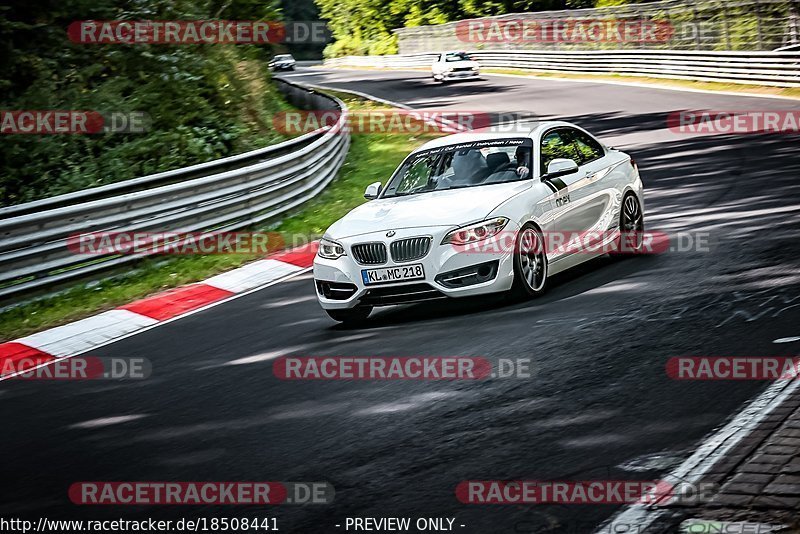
pixel 205 101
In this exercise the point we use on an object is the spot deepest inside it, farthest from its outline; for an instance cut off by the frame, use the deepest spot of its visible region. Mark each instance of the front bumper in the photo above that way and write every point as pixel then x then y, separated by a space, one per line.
pixel 457 75
pixel 447 272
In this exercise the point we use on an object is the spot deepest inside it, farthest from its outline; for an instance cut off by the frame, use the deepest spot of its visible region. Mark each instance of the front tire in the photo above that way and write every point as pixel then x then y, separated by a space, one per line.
pixel 530 264
pixel 352 316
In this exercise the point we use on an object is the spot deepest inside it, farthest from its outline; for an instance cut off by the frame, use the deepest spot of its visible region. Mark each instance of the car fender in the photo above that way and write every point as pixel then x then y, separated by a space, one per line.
pixel 530 205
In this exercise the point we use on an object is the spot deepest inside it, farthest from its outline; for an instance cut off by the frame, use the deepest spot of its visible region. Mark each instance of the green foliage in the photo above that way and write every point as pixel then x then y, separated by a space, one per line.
pixel 203 101
pixel 365 26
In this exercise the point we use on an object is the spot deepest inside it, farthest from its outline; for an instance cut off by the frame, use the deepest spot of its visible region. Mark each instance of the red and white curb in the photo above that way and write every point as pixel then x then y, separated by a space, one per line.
pixel 80 336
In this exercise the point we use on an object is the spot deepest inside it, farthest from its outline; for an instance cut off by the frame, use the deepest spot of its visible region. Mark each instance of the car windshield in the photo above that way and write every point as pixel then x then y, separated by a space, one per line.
pixel 456 56
pixel 282 57
pixel 463 165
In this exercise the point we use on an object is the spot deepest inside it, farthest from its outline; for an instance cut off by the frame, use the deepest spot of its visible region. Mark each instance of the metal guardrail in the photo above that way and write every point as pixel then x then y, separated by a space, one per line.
pixel 221 195
pixel 781 69
pixel 696 25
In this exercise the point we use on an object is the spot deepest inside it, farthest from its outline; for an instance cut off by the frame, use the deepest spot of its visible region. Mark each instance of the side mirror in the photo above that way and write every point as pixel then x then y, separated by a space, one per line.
pixel 372 191
pixel 561 167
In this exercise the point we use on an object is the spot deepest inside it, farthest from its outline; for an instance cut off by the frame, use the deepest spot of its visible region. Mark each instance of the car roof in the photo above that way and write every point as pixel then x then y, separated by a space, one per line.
pixel 525 129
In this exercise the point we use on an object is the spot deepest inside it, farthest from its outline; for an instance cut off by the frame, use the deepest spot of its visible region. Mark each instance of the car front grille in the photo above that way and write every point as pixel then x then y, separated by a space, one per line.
pixel 369 253
pixel 410 249
pixel 462 69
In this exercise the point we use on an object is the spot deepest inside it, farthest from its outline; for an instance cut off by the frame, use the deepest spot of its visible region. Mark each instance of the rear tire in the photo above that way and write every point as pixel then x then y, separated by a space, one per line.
pixel 631 227
pixel 530 264
pixel 350 316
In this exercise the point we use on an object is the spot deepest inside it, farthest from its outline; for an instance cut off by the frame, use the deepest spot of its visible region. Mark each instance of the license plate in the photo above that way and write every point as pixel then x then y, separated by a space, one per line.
pixel 392 274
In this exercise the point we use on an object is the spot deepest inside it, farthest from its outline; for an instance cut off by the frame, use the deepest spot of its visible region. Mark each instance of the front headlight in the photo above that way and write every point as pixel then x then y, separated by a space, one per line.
pixel 475 232
pixel 476 67
pixel 330 250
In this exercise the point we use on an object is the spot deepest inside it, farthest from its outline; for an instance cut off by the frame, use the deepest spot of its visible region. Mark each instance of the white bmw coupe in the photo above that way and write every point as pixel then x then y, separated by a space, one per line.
pixel 477 213
pixel 451 66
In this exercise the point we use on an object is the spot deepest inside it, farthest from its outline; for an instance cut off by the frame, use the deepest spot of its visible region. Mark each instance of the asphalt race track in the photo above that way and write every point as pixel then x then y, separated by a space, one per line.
pixel 599 404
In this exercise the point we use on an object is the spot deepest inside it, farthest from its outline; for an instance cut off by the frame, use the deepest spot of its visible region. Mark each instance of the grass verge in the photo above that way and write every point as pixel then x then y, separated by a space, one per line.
pixel 372 157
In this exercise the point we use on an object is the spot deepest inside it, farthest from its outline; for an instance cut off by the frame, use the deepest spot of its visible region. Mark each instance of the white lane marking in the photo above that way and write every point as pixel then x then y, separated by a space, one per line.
pixel 713 449
pixel 354 337
pixel 361 94
pixel 271 355
pixel 157 324
pixel 416 401
pixel 302 322
pixel 88 333
pixel 266 356
pixel 612 287
pixel 107 421
pixel 252 275
pixel 787 339
pixel 287 302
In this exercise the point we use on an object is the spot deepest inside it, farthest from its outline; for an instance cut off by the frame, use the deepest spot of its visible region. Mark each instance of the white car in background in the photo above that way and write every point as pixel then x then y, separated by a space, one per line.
pixel 432 231
pixel 282 62
pixel 454 66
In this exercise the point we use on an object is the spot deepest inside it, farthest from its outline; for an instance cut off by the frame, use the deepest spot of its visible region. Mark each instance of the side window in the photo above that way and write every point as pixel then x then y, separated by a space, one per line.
pixel 587 148
pixel 555 144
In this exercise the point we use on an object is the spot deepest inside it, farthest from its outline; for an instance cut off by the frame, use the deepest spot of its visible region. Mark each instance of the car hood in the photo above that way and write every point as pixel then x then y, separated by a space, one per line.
pixel 453 207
